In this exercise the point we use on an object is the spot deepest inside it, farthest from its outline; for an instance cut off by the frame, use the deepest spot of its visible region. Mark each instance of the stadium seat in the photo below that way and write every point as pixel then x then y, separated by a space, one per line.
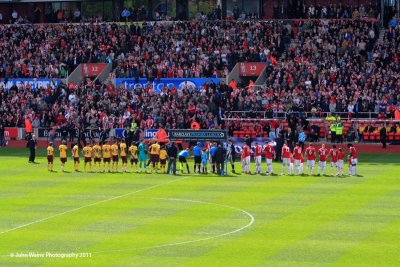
pixel 378 137
pixel 366 136
pixel 397 137
pixel 372 137
pixel 391 136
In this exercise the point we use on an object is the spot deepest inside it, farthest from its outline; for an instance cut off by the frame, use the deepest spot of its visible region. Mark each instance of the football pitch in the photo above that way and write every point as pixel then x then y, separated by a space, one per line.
pixel 86 219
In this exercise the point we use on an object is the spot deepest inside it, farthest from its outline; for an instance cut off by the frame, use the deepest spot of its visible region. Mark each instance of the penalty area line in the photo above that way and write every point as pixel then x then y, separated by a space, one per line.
pixel 92 204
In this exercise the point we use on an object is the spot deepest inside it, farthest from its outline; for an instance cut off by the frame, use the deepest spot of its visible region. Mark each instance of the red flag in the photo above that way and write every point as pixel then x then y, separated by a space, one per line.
pixel 273 61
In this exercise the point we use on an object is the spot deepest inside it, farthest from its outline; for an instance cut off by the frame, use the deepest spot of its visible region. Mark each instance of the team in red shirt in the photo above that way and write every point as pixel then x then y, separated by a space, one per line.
pixel 269 155
pixel 257 157
pixel 245 155
pixel 292 163
pixel 353 160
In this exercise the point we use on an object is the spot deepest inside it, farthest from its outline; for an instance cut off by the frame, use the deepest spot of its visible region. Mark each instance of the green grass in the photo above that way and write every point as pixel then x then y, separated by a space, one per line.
pixel 199 220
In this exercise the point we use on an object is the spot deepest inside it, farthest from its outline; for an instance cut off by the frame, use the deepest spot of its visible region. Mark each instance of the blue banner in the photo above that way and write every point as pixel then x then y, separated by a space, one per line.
pixel 120 132
pixel 150 133
pixel 34 83
pixel 158 85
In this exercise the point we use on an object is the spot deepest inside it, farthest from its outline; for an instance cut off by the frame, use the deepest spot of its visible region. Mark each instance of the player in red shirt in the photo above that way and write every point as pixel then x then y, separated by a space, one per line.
pixel 301 169
pixel 311 156
pixel 285 157
pixel 333 153
pixel 341 162
pixel 323 154
pixel 354 159
pixel 246 159
pixel 269 155
pixel 291 165
pixel 297 154
pixel 257 157
pixel 350 159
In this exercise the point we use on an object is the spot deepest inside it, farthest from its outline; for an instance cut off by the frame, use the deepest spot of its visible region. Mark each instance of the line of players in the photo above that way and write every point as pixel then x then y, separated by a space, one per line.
pixel 110 154
pixel 293 161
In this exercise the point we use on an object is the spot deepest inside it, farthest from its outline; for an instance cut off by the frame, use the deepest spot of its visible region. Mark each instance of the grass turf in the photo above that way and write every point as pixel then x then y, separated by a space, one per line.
pixel 198 220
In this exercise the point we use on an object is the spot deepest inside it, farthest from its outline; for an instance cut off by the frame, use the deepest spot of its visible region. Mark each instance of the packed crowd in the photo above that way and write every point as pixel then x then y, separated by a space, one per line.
pixel 331 67
pixel 325 66
pixel 335 11
pixel 151 49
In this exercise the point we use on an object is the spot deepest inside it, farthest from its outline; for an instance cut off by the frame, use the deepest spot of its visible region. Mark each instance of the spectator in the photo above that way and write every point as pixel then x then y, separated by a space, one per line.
pixel 14 16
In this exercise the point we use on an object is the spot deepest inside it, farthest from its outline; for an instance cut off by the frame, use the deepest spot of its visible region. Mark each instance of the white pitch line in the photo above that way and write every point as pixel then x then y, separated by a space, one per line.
pixel 189 241
pixel 90 205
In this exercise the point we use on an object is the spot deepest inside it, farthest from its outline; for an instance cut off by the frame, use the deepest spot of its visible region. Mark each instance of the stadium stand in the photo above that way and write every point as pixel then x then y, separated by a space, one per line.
pixel 325 66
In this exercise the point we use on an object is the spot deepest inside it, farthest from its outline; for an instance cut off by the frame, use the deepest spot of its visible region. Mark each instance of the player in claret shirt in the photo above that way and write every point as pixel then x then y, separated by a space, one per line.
pixel 285 156
pixel 323 154
pixel 354 160
pixel 297 155
pixel 257 157
pixel 333 153
pixel 269 155
pixel 341 162
pixel 311 156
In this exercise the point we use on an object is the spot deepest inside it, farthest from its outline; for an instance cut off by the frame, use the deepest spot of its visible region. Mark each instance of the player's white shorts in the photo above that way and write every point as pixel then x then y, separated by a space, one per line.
pixel 340 163
pixel 246 161
pixel 334 164
pixel 286 161
pixel 354 161
pixel 311 163
pixel 296 162
pixel 257 160
pixel 322 164
pixel 269 161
